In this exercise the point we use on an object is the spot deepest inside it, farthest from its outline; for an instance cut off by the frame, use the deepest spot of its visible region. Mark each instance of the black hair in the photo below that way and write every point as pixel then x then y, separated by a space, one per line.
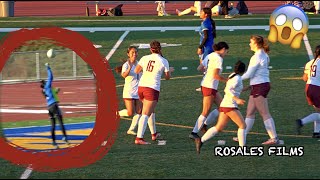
pixel 208 11
pixel 118 69
pixel 239 68
pixel 220 45
pixel 42 83
pixel 317 52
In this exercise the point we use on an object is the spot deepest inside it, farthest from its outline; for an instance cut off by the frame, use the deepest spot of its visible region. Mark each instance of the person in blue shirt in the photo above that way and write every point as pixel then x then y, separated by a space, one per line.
pixel 53 107
pixel 207 33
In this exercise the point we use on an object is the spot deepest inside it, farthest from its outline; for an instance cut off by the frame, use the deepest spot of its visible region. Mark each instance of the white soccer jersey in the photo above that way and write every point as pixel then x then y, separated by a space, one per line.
pixel 214 62
pixel 153 66
pixel 258 69
pixel 312 68
pixel 130 89
pixel 233 87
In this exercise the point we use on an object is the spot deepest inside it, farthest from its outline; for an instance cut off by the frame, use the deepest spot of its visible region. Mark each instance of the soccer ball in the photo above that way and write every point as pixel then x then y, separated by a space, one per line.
pixel 51 53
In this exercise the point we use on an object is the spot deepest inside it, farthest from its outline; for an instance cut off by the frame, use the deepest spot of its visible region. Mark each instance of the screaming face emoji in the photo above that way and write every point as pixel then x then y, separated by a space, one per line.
pixel 288 25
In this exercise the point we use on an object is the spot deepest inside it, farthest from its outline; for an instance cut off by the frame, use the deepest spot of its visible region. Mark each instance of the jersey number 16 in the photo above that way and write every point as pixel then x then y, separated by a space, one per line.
pixel 150 66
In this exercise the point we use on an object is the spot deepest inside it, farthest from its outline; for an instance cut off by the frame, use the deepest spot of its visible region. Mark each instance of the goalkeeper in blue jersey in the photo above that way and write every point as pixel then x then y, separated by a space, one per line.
pixel 53 107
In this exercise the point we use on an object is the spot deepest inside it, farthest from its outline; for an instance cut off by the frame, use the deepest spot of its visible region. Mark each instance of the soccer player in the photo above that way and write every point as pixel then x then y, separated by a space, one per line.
pixel 229 108
pixel 207 33
pixel 161 8
pixel 258 73
pixel 130 89
pixel 209 87
pixel 195 8
pixel 312 78
pixel 153 66
pixel 53 108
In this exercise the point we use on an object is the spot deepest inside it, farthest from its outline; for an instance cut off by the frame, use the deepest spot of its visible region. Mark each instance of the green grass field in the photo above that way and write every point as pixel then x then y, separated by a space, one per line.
pixel 180 105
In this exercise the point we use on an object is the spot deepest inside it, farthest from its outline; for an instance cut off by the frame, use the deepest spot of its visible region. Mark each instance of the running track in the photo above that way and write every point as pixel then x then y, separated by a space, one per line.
pixel 78 8
pixel 28 96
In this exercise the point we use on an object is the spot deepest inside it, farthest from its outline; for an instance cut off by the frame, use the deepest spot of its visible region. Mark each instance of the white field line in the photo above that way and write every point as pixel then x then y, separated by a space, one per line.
pixel 162 28
pixel 308 47
pixel 115 47
pixel 45 125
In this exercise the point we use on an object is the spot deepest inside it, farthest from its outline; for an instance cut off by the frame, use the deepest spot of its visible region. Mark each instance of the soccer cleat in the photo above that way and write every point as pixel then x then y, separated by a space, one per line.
pixel 198 144
pixel 204 128
pixel 193 135
pixel 316 135
pixel 155 136
pixel 141 141
pixel 298 126
pixel 65 140
pixel 131 132
pixel 235 139
pixel 55 145
pixel 271 141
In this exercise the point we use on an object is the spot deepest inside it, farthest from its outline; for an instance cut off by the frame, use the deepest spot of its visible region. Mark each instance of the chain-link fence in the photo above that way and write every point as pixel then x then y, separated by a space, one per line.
pixel 30 66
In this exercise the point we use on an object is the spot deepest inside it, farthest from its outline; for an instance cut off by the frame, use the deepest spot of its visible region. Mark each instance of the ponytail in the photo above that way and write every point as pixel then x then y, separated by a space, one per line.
pixel 261 42
pixel 317 52
pixel 208 11
pixel 155 47
pixel 239 68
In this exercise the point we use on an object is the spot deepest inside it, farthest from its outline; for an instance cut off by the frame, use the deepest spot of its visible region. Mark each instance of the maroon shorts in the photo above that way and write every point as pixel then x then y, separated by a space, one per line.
pixel 227 109
pixel 313 95
pixel 148 94
pixel 208 91
pixel 260 90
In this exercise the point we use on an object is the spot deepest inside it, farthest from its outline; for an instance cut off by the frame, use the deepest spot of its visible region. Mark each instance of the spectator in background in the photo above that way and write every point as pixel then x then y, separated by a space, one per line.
pixel 161 8
pixel 295 3
pixel 317 6
pixel 195 8
pixel 216 10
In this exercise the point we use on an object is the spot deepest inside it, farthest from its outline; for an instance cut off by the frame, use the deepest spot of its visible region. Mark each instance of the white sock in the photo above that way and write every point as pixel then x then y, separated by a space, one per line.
pixel 317 126
pixel 199 124
pixel 134 122
pixel 242 137
pixel 249 124
pixel 186 11
pixel 152 123
pixel 209 134
pixel 212 117
pixel 271 128
pixel 142 126
pixel 123 112
pixel 312 117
